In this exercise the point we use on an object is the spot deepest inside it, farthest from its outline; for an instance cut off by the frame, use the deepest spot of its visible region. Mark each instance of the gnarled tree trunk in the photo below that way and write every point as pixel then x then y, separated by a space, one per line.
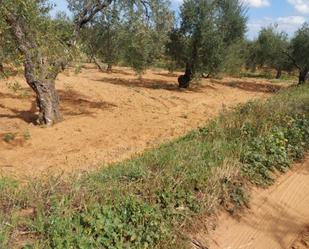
pixel 279 73
pixel 47 97
pixel 109 68
pixel 98 64
pixel 303 76
pixel 48 103
pixel 184 80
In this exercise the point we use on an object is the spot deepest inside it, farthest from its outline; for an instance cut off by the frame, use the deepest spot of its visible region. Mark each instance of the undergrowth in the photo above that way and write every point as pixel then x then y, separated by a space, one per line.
pixel 152 200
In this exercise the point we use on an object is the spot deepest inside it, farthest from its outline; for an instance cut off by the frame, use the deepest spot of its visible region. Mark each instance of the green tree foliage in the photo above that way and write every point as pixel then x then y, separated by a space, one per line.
pixel 251 55
pixel 102 39
pixel 271 48
pixel 145 33
pixel 8 53
pixel 131 32
pixel 300 52
pixel 207 31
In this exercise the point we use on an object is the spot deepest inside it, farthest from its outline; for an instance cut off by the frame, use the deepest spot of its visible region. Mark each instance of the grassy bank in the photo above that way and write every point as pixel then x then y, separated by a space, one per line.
pixel 153 200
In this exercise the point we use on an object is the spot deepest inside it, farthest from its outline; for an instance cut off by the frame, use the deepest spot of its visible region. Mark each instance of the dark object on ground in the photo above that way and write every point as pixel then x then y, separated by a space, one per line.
pixel 184 80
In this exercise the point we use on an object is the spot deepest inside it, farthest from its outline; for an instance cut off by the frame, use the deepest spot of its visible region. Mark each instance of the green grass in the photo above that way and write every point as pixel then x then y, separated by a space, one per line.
pixel 153 200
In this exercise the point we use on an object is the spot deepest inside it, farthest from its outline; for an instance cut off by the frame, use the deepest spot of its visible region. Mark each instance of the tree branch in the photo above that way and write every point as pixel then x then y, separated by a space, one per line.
pixel 23 46
pixel 292 59
pixel 145 3
pixel 89 12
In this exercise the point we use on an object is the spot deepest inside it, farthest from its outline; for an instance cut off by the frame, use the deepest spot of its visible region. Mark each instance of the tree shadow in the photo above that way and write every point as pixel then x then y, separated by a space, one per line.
pixel 172 75
pixel 72 103
pixel 114 70
pixel 120 71
pixel 142 83
pixel 8 95
pixel 154 84
pixel 281 223
pixel 250 86
pixel 24 93
pixel 27 116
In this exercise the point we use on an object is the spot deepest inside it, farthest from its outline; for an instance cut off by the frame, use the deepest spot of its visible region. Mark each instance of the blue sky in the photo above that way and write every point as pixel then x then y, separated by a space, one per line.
pixel 289 15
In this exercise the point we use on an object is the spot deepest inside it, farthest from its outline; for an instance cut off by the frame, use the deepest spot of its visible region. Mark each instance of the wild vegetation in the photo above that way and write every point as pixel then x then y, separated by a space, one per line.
pixel 150 201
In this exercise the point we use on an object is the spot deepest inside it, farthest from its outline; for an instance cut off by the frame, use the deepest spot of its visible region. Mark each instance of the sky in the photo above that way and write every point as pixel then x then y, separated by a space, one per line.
pixel 289 15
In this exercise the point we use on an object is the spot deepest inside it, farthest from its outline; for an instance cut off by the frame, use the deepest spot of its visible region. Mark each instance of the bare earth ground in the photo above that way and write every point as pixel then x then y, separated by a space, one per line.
pixel 109 117
pixel 277 219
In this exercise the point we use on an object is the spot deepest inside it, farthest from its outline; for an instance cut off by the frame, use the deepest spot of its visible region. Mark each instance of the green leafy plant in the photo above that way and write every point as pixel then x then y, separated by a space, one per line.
pixel 8 137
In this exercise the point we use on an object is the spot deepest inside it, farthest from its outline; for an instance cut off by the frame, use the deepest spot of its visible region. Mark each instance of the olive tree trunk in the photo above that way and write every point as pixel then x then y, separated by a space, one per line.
pixel 109 68
pixel 48 103
pixel 279 73
pixel 303 76
pixel 98 64
pixel 46 95
pixel 184 80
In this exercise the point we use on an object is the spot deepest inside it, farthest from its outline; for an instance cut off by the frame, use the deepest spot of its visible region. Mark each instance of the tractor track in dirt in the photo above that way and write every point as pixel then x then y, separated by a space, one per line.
pixel 278 217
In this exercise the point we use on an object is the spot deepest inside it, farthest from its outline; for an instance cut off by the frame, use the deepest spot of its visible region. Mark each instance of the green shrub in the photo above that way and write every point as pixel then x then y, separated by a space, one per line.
pixel 8 137
pixel 130 224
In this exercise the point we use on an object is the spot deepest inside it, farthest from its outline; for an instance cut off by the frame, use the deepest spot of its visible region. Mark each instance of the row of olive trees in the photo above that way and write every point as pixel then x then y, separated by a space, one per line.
pixel 275 50
pixel 127 33
pixel 45 45
pixel 136 31
pixel 207 39
pixel 202 42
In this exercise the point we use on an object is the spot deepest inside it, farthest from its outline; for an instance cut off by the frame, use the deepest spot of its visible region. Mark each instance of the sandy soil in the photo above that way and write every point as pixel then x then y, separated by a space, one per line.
pixel 302 241
pixel 108 117
pixel 277 219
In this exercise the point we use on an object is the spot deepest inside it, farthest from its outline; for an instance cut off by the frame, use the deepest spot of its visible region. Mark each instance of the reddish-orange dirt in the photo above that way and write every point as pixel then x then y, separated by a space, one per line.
pixel 108 117
pixel 278 217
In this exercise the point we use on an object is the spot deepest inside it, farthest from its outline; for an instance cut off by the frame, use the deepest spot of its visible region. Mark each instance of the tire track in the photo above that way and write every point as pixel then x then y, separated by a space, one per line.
pixel 276 218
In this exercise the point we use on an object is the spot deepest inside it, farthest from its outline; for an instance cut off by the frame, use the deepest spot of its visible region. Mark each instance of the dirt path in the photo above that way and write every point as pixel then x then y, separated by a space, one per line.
pixel 278 217
pixel 108 117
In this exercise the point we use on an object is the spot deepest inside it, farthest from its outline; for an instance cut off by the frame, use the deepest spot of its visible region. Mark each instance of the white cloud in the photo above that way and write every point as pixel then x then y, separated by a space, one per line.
pixel 301 6
pixel 257 3
pixel 288 24
pixel 291 20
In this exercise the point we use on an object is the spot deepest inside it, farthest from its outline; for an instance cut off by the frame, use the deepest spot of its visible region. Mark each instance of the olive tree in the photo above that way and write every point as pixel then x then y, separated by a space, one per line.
pixel 42 47
pixel 145 33
pixel 271 49
pixel 130 32
pixel 102 39
pixel 208 29
pixel 299 54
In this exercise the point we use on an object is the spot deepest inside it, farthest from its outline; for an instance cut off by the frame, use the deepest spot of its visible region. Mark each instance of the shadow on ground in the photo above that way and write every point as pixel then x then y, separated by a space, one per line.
pixel 72 103
pixel 150 84
pixel 250 86
pixel 283 224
